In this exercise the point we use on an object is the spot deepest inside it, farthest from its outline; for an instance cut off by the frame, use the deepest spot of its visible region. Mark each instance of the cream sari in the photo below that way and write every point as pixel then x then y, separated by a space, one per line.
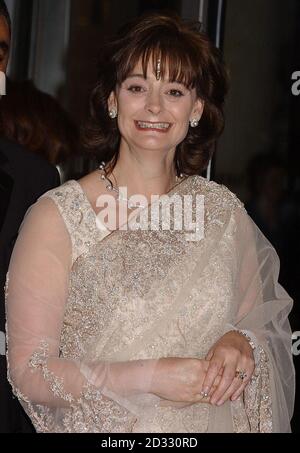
pixel 81 300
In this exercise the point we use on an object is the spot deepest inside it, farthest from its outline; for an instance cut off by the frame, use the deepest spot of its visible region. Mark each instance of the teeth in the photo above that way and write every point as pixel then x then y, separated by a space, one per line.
pixel 153 125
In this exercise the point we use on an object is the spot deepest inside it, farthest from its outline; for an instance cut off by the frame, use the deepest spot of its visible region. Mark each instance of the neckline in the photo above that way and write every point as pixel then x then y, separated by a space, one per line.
pixel 105 229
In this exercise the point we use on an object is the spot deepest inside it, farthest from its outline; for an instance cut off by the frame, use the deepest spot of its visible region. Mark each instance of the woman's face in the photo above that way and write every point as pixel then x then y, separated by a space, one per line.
pixel 154 114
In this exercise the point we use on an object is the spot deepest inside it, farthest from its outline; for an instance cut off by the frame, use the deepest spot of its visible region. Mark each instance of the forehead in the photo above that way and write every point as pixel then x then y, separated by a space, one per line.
pixel 156 70
pixel 4 30
pixel 151 68
pixel 174 66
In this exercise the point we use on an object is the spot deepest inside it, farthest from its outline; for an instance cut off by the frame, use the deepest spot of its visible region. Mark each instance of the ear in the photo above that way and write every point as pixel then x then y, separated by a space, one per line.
pixel 197 109
pixel 112 101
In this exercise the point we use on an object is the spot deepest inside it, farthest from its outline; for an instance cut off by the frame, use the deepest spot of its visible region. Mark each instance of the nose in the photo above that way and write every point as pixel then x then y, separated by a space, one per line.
pixel 153 102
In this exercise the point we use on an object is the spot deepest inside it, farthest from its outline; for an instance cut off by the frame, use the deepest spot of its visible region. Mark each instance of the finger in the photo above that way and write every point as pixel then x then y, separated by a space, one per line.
pixel 214 369
pixel 216 383
pixel 200 398
pixel 238 392
pixel 206 399
pixel 235 385
pixel 213 387
pixel 249 367
pixel 226 381
pixel 242 386
pixel 206 366
pixel 209 354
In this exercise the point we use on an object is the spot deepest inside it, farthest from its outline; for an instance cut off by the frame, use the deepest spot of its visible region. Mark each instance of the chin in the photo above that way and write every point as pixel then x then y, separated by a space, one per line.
pixel 153 145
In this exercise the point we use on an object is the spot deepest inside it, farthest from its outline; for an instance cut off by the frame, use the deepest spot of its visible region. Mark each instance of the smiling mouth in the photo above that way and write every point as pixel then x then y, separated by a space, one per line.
pixel 153 126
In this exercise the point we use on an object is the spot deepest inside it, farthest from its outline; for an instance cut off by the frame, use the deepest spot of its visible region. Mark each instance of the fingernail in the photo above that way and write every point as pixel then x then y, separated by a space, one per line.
pixel 233 398
pixel 219 403
pixel 205 391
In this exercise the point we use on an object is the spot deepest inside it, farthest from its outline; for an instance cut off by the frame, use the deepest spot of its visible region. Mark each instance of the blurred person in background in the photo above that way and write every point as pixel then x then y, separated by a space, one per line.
pixel 37 121
pixel 23 178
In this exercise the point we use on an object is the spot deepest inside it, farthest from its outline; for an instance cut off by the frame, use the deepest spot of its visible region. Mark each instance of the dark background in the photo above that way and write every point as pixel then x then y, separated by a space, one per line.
pixel 56 45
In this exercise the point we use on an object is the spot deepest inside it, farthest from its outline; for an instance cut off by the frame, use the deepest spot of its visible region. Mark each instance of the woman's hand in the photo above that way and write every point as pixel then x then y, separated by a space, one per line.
pixel 232 353
pixel 179 380
pixel 204 399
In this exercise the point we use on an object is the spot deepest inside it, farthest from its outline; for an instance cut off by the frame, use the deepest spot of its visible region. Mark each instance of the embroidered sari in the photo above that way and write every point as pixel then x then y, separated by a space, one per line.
pixel 82 301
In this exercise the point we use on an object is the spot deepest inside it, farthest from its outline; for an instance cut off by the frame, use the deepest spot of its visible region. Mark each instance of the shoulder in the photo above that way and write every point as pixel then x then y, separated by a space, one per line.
pixel 77 214
pixel 221 206
pixel 56 210
pixel 68 198
pixel 72 205
pixel 216 195
pixel 64 192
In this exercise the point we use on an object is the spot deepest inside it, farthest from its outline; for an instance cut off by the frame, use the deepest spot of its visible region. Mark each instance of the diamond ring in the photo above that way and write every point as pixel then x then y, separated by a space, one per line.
pixel 241 374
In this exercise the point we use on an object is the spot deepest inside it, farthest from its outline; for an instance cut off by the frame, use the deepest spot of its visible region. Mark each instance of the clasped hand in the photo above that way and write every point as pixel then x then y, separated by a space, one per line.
pixel 184 381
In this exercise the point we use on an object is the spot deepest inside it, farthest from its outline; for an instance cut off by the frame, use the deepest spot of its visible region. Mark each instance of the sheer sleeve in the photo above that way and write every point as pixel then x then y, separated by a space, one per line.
pixel 263 307
pixel 36 295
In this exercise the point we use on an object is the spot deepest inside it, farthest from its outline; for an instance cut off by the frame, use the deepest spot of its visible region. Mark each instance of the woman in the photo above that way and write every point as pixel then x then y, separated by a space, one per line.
pixel 143 330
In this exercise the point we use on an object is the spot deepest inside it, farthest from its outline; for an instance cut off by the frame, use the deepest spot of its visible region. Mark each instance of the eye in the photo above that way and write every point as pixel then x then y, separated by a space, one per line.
pixel 135 88
pixel 176 93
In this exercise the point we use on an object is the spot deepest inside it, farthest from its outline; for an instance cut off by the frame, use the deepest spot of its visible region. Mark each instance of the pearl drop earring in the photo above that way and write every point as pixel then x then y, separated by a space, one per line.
pixel 113 113
pixel 194 122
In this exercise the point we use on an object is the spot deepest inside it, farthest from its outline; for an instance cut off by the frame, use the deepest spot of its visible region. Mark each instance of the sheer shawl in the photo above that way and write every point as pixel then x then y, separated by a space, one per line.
pixel 100 386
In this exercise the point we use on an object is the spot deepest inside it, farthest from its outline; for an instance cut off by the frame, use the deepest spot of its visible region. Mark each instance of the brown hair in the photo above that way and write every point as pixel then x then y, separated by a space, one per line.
pixel 190 58
pixel 37 121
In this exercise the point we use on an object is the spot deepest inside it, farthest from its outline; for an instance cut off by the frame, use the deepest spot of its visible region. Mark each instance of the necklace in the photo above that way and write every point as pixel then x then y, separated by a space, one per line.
pixel 109 186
